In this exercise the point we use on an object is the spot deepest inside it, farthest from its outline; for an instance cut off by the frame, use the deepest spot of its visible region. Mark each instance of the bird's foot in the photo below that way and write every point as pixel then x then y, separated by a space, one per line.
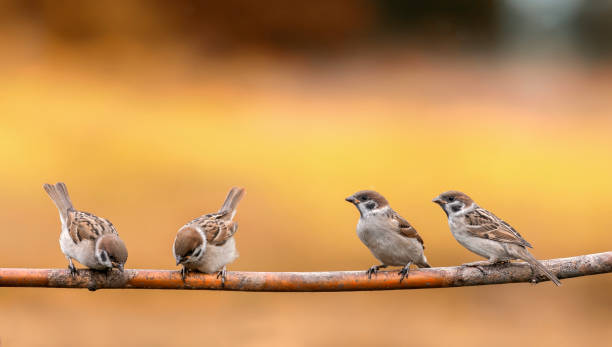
pixel 222 274
pixel 73 270
pixel 184 272
pixel 501 262
pixel 374 270
pixel 479 265
pixel 404 272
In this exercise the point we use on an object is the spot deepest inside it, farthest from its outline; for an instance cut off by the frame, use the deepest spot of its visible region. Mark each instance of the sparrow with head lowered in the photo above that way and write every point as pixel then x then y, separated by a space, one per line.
pixel 91 240
pixel 206 244
pixel 390 238
pixel 483 233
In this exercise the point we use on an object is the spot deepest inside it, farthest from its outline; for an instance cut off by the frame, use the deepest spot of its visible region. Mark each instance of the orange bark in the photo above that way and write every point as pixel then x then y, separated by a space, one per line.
pixel 584 265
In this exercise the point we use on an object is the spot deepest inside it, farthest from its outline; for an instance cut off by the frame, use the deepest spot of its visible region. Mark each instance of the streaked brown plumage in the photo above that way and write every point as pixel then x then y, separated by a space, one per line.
pixel 390 237
pixel 91 240
pixel 485 234
pixel 206 243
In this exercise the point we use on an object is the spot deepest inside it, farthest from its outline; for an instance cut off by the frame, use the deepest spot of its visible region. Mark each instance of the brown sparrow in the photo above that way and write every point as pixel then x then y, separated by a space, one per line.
pixel 483 233
pixel 206 243
pixel 91 240
pixel 390 238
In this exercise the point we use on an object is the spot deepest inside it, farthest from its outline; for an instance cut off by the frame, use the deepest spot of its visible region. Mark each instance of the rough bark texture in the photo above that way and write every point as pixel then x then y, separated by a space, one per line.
pixel 583 265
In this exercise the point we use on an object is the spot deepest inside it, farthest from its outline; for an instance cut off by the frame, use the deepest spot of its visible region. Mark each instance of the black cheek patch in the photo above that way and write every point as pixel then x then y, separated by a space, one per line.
pixel 103 256
pixel 370 205
pixel 456 208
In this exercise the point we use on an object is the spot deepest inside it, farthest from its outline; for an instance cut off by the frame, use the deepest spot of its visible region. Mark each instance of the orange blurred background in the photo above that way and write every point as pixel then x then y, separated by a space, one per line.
pixel 151 111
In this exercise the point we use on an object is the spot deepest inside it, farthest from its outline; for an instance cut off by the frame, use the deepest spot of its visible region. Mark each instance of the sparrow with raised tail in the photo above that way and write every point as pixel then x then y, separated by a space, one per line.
pixel 390 238
pixel 483 233
pixel 91 240
pixel 206 243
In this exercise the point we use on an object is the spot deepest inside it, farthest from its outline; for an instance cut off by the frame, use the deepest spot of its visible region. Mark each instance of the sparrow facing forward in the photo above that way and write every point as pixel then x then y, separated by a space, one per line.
pixel 206 243
pixel 390 238
pixel 91 240
pixel 483 233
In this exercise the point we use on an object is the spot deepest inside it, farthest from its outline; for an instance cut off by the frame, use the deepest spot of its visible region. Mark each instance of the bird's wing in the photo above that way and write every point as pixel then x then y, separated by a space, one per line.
pixel 216 229
pixel 404 228
pixel 484 224
pixel 86 226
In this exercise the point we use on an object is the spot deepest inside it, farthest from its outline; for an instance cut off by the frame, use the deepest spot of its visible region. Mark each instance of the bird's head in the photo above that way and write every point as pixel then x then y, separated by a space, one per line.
pixel 111 251
pixel 367 201
pixel 188 246
pixel 453 202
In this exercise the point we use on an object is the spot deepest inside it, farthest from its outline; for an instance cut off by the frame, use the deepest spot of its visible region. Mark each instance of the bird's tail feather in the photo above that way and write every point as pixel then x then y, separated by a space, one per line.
pixel 233 198
pixel 526 256
pixel 59 194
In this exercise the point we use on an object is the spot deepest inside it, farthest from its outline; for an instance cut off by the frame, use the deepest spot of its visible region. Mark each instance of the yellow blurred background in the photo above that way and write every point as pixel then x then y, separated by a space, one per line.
pixel 151 111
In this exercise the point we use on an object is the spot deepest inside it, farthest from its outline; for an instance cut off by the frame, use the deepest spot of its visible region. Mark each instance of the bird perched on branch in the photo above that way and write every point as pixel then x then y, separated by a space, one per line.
pixel 91 240
pixel 483 233
pixel 390 238
pixel 206 243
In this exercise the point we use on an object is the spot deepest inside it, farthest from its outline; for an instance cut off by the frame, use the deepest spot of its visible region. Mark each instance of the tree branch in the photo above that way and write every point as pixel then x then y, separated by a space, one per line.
pixel 458 276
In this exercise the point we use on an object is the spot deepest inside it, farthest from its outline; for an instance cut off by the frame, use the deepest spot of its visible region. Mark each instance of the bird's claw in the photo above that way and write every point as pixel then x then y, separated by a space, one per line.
pixel 478 265
pixel 73 270
pixel 184 273
pixel 404 272
pixel 372 271
pixel 222 274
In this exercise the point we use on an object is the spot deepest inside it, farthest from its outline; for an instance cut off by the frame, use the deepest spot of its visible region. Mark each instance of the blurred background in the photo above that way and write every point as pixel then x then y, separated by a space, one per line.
pixel 151 110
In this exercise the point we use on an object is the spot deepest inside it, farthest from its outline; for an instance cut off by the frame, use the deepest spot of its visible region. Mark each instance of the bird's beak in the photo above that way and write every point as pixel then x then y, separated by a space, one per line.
pixel 438 201
pixel 120 267
pixel 181 260
pixel 352 200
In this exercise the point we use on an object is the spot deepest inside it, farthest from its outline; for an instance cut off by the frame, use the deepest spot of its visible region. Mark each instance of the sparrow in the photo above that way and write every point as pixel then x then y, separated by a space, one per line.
pixel 206 243
pixel 483 233
pixel 93 241
pixel 390 238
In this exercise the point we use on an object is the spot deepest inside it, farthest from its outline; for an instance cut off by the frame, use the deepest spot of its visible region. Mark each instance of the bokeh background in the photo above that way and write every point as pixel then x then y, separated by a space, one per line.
pixel 151 110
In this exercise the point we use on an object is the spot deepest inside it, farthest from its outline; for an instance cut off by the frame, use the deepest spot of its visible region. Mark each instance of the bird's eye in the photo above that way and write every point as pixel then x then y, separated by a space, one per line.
pixel 451 198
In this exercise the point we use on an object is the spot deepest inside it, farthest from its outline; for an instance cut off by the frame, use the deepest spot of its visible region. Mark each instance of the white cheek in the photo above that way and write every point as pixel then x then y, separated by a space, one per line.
pixel 361 208
pixel 105 263
pixel 455 207
pixel 364 209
